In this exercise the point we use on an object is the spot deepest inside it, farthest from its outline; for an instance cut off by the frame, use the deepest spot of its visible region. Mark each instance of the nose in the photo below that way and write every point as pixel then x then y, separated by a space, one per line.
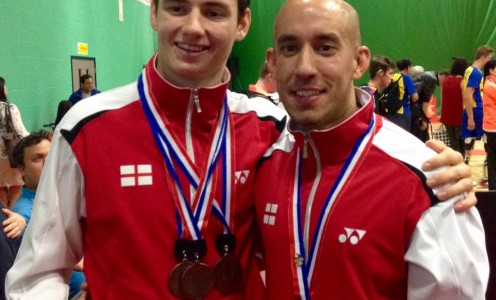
pixel 305 65
pixel 193 24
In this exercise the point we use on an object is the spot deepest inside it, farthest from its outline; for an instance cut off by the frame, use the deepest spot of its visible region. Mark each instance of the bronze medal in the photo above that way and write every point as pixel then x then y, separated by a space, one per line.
pixel 197 281
pixel 228 273
pixel 175 278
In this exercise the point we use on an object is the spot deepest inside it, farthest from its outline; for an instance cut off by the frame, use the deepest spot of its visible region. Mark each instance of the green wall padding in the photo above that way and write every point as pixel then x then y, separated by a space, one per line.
pixel 37 40
pixel 426 31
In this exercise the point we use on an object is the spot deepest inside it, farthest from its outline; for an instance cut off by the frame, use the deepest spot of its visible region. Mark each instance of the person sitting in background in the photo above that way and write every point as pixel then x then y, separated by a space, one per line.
pixel 10 185
pixel 8 247
pixel 10 178
pixel 452 103
pixel 29 156
pixel 87 89
pixel 489 122
pixel 425 83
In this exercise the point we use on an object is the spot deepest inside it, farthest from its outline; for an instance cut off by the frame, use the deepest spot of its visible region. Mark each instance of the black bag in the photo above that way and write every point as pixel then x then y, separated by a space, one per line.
pixel 388 102
pixel 10 137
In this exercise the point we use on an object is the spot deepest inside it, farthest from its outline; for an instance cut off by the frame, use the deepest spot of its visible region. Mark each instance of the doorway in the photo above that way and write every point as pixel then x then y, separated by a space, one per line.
pixel 81 66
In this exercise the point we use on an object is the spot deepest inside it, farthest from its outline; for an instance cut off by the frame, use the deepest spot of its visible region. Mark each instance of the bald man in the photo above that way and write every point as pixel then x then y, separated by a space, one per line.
pixel 345 212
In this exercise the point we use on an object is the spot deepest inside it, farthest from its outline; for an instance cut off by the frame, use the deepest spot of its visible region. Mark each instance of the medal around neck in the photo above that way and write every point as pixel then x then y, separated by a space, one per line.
pixel 175 278
pixel 197 281
pixel 228 272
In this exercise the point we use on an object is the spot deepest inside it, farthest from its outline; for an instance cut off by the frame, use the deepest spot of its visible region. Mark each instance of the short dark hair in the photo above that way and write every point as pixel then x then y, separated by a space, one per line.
pixel 403 63
pixel 242 6
pixel 459 66
pixel 378 63
pixel 83 78
pixel 488 66
pixel 28 141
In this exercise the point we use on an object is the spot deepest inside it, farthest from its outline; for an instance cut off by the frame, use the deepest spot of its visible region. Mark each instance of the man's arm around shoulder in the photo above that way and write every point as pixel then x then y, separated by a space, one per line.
pixel 447 256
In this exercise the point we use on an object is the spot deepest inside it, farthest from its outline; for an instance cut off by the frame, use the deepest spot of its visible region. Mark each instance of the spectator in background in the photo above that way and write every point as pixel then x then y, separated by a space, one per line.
pixel 381 73
pixel 10 178
pixel 8 249
pixel 425 83
pixel 403 117
pixel 265 86
pixel 29 156
pixel 473 113
pixel 452 103
pixel 489 123
pixel 87 89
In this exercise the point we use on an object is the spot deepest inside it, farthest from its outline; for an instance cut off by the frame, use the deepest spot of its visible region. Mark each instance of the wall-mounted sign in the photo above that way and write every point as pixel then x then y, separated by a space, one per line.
pixel 121 11
pixel 82 48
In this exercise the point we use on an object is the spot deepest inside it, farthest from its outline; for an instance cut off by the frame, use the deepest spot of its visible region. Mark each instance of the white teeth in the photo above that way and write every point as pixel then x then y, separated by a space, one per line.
pixel 307 93
pixel 189 47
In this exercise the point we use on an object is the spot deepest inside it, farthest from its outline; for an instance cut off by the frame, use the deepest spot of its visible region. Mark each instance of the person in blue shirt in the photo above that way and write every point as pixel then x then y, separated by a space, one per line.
pixel 29 156
pixel 403 117
pixel 87 89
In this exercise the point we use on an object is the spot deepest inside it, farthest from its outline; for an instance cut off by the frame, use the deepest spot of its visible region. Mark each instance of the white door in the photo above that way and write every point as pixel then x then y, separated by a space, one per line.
pixel 81 66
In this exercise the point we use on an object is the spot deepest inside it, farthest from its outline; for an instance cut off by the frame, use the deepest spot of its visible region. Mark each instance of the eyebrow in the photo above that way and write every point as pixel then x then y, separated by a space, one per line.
pixel 321 37
pixel 286 38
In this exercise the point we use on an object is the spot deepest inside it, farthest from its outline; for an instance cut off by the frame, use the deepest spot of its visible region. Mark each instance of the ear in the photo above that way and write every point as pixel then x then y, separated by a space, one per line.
pixel 153 16
pixel 362 61
pixel 22 170
pixel 243 25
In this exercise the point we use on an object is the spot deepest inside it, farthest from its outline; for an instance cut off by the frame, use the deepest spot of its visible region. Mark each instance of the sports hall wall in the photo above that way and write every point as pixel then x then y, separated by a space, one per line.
pixel 429 32
pixel 38 38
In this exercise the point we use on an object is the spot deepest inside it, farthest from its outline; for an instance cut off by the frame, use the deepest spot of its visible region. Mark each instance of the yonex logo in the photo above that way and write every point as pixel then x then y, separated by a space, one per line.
pixel 241 176
pixel 352 235
pixel 133 175
pixel 269 216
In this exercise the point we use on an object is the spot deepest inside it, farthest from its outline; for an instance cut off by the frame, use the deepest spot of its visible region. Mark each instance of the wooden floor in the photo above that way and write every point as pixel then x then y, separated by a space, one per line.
pixel 476 163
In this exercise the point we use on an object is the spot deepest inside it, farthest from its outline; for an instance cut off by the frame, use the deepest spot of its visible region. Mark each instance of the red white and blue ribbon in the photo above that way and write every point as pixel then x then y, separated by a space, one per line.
pixel 193 215
pixel 306 255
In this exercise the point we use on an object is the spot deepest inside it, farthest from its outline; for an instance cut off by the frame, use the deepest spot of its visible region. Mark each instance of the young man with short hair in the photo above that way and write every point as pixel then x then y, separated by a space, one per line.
pixel 381 74
pixel 472 84
pixel 142 220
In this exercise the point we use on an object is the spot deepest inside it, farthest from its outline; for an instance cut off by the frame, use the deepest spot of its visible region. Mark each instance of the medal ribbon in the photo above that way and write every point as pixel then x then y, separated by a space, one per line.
pixel 305 259
pixel 193 216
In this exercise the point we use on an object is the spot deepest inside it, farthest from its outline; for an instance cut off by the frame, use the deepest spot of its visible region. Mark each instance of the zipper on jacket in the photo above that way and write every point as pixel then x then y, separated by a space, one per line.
pixel 197 100
pixel 305 146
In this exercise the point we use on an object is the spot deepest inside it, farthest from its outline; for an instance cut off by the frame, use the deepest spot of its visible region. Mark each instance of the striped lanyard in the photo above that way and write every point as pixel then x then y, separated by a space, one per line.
pixel 305 257
pixel 193 215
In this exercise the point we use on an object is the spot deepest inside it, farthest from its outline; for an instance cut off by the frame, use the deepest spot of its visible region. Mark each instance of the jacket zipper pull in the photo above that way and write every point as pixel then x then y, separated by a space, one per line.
pixel 305 146
pixel 197 101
